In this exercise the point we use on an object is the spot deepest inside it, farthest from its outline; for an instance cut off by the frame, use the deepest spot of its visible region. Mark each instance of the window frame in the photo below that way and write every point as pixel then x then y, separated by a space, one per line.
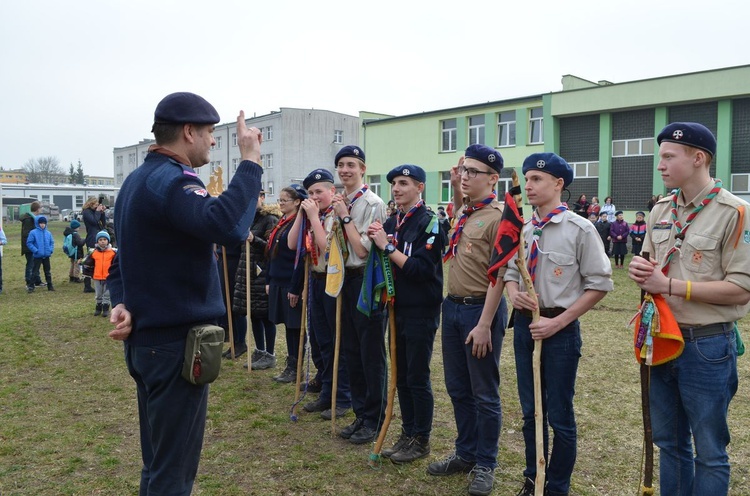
pixel 533 123
pixel 479 128
pixel 451 133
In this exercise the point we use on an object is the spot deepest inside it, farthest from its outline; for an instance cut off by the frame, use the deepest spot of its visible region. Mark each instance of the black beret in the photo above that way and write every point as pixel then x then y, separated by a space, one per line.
pixel 619 212
pixel 317 176
pixel 184 108
pixel 488 156
pixel 301 192
pixel 408 170
pixel 349 151
pixel 689 134
pixel 550 163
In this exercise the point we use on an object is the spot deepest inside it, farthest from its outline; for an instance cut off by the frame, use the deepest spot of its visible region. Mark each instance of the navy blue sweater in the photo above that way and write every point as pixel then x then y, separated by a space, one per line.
pixel 419 284
pixel 165 271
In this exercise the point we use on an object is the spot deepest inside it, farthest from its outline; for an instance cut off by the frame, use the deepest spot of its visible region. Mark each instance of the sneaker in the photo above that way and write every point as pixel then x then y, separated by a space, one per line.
pixel 29 289
pixel 481 484
pixel 402 443
pixel 287 375
pixel 527 489
pixel 40 284
pixel 418 447
pixel 340 412
pixel 350 429
pixel 452 464
pixel 318 405
pixel 239 350
pixel 267 361
pixel 312 387
pixel 363 435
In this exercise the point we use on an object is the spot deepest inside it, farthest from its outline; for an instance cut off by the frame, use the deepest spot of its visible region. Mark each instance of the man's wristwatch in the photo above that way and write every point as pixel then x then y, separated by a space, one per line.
pixel 389 249
pixel 346 220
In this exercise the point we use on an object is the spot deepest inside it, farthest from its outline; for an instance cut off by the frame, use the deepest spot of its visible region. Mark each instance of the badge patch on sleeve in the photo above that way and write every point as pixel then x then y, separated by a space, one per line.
pixel 195 189
pixel 747 237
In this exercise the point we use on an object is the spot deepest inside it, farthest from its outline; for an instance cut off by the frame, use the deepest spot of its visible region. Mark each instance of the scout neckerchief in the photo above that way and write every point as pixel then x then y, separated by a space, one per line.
pixel 453 247
pixel 401 219
pixel 538 226
pixel 357 197
pixel 682 229
pixel 311 246
pixel 270 245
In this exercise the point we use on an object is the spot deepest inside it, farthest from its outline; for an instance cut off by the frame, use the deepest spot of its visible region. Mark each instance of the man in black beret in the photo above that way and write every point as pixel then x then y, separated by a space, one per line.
pixel 699 242
pixel 157 296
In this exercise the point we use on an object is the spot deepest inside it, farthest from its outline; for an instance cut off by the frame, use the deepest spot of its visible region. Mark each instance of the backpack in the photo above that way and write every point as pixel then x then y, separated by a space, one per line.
pixel 68 247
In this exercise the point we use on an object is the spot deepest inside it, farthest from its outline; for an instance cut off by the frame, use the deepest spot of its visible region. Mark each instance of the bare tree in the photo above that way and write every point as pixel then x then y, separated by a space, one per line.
pixel 43 170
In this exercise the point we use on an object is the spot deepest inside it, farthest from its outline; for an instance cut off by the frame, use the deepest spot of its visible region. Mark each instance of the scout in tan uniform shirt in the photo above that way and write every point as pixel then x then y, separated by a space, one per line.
pixel 699 240
pixel 474 316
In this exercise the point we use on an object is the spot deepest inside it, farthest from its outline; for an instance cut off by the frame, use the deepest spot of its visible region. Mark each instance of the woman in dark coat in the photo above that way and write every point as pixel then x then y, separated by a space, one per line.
pixel 94 220
pixel 264 331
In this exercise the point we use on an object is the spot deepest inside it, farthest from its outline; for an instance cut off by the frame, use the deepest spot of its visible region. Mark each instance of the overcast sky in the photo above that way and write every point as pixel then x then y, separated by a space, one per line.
pixel 80 78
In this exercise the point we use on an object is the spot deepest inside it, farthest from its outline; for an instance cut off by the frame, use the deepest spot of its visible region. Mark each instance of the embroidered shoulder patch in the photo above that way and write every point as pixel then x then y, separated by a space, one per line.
pixel 195 189
pixel 747 237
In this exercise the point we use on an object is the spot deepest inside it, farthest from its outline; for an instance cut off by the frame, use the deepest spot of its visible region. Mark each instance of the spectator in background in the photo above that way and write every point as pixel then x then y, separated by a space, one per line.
pixel 619 231
pixel 651 203
pixel 581 206
pixel 594 207
pixel 78 250
pixel 94 219
pixel 3 242
pixel 602 227
pixel 28 223
pixel 638 232
pixel 42 247
pixel 609 209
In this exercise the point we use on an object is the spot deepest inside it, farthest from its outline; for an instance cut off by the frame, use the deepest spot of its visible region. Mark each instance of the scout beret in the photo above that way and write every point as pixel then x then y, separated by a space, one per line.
pixel 488 156
pixel 408 170
pixel 550 163
pixel 301 191
pixel 349 151
pixel 184 108
pixel 689 134
pixel 619 212
pixel 317 176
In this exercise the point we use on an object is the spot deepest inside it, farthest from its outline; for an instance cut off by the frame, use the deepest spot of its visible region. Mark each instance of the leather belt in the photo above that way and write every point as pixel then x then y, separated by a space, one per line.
pixel 692 333
pixel 547 313
pixel 318 275
pixel 354 271
pixel 467 300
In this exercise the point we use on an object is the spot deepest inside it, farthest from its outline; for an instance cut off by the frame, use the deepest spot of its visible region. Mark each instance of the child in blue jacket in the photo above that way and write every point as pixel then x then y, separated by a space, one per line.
pixel 42 245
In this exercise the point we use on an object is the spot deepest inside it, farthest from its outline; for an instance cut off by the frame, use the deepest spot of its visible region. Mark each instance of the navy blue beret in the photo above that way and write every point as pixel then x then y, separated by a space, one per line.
pixel 408 170
pixel 689 134
pixel 488 156
pixel 317 176
pixel 184 108
pixel 349 151
pixel 301 192
pixel 550 163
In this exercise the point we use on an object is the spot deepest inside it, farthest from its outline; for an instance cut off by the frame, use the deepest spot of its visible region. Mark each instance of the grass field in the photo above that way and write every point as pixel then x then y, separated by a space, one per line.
pixel 69 425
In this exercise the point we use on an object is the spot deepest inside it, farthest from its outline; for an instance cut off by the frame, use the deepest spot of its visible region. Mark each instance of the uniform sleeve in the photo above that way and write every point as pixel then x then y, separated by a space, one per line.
pixel 375 211
pixel 736 252
pixel 595 267
pixel 426 253
pixel 114 282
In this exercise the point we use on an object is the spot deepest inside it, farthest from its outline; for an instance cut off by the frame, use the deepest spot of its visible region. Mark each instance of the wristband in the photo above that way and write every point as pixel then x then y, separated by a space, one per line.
pixel 687 292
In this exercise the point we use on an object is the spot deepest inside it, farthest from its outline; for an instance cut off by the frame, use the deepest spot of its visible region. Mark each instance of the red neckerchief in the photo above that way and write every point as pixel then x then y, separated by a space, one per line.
pixel 169 153
pixel 403 217
pixel 460 225
pixel 357 196
pixel 272 237
pixel 538 226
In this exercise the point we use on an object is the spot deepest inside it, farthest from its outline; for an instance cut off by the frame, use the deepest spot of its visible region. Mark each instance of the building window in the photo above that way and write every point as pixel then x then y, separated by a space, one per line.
pixel 218 140
pixel 374 183
pixel 118 161
pixel 448 135
pixel 338 137
pixel 131 158
pixel 633 147
pixel 740 183
pixel 267 161
pixel 267 133
pixel 79 200
pixel 215 166
pixel 269 189
pixel 585 169
pixel 506 129
pixel 536 126
pixel 446 189
pixel 235 162
pixel 476 130
pixel 234 139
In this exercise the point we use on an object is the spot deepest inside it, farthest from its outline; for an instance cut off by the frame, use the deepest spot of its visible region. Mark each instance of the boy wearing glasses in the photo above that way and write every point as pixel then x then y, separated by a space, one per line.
pixel 474 315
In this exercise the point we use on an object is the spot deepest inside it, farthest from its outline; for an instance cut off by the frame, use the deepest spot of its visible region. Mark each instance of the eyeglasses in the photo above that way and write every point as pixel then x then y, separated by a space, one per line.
pixel 471 172
pixel 280 200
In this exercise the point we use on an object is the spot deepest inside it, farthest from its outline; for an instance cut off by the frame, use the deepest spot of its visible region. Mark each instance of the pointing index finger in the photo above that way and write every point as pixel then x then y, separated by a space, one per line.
pixel 241 126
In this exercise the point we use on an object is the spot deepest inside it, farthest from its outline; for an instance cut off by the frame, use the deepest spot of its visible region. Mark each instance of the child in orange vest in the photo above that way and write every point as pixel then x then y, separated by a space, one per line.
pixel 101 260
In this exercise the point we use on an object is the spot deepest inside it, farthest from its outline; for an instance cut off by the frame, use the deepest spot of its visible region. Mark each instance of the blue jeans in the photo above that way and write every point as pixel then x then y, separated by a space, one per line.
pixel 172 415
pixel 689 401
pixel 30 281
pixel 414 343
pixel 473 384
pixel 559 364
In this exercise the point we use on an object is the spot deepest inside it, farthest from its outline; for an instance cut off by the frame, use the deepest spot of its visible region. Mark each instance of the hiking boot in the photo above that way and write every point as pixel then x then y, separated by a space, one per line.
pixel 402 443
pixel 350 429
pixel 98 310
pixel 418 447
pixel 29 289
pixel 527 489
pixel 239 350
pixel 340 412
pixel 287 375
pixel 105 310
pixel 318 405
pixel 267 361
pixel 39 284
pixel 312 386
pixel 547 492
pixel 481 484
pixel 452 464
pixel 363 435
pixel 50 287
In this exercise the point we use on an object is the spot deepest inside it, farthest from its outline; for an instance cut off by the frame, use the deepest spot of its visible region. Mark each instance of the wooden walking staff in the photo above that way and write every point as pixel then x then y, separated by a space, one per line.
pixel 229 301
pixel 541 461
pixel 336 353
pixel 302 338
pixel 647 486
pixel 249 322
pixel 375 456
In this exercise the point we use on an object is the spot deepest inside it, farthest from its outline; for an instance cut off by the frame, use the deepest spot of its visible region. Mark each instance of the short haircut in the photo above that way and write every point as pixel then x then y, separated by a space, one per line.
pixel 166 132
pixel 35 206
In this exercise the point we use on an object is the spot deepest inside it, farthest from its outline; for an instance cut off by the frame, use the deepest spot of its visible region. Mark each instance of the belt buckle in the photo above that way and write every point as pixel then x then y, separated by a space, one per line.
pixel 467 300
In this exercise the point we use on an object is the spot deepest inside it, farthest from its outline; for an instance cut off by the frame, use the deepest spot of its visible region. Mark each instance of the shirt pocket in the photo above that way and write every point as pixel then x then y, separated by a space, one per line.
pixel 562 268
pixel 700 253
pixel 660 240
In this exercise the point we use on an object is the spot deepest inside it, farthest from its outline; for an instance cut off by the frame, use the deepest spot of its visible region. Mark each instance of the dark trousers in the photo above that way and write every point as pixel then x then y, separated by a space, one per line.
pixel 172 415
pixel 30 281
pixel 322 327
pixel 264 332
pixel 363 340
pixel 239 322
pixel 414 344
pixel 39 263
pixel 1 273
